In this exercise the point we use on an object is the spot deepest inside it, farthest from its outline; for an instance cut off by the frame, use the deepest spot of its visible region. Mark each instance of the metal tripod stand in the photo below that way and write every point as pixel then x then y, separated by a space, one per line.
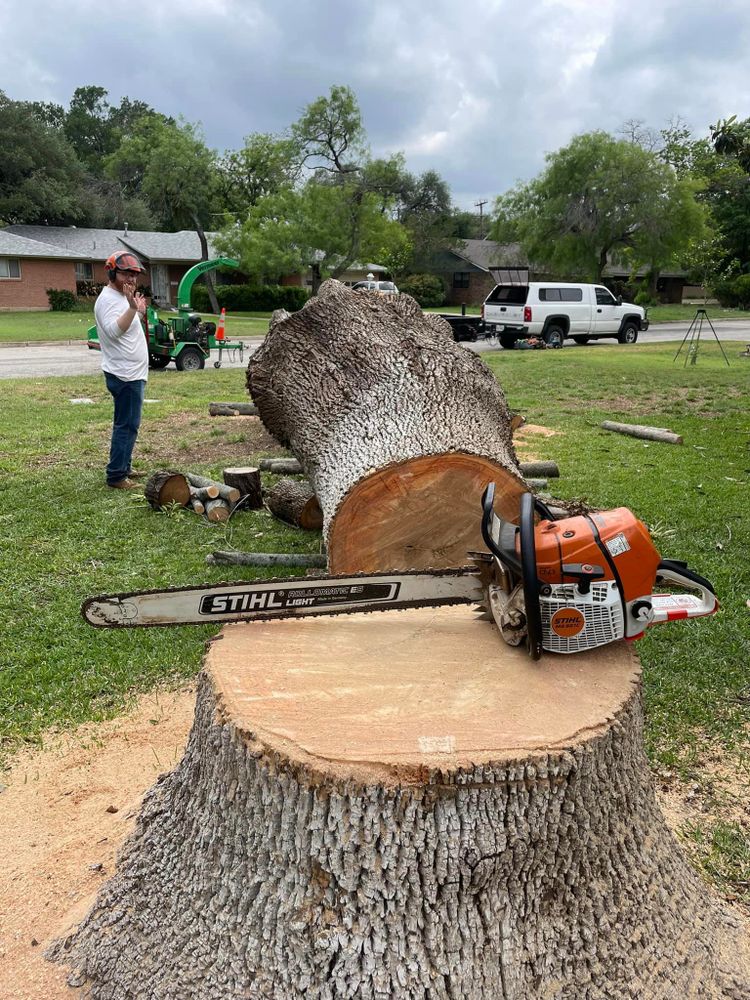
pixel 693 337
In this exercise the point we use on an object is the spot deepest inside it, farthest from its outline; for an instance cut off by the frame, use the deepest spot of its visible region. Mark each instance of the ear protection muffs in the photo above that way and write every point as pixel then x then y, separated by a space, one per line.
pixel 122 259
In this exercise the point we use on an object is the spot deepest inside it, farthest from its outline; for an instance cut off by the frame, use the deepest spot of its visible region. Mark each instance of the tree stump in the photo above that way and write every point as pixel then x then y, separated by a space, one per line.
pixel 401 806
pixel 165 487
pixel 398 428
pixel 246 479
pixel 294 502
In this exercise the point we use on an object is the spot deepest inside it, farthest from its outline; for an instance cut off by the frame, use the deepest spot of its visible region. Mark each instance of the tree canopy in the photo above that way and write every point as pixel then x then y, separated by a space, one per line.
pixel 600 197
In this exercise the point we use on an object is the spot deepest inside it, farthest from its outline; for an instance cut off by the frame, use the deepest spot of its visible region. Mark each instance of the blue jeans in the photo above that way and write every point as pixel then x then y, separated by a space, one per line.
pixel 128 397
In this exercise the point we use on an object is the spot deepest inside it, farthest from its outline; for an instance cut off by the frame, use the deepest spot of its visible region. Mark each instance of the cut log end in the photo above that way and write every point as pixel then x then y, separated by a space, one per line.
pixel 165 487
pixel 421 514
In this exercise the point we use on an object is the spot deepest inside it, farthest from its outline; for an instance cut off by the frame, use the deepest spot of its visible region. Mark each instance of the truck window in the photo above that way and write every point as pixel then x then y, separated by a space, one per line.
pixel 560 295
pixel 513 295
pixel 604 297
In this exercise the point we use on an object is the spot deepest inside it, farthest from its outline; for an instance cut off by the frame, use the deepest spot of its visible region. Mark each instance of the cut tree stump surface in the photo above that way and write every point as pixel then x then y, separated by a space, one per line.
pixel 408 688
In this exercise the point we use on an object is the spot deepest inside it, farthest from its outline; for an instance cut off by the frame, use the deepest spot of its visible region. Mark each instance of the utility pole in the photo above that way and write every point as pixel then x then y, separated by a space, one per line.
pixel 479 205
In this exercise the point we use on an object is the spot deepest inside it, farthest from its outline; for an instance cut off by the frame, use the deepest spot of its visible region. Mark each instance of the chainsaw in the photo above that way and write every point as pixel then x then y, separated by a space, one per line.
pixel 562 585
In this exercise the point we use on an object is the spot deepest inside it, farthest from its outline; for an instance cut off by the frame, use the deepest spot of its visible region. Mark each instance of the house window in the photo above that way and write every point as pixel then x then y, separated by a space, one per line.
pixel 461 279
pixel 10 267
pixel 84 271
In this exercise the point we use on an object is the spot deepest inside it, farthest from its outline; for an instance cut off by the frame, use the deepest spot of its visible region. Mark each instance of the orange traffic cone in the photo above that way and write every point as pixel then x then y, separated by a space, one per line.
pixel 222 324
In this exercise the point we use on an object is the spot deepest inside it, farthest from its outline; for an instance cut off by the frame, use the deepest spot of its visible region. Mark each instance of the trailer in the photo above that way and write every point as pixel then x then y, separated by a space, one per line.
pixel 464 325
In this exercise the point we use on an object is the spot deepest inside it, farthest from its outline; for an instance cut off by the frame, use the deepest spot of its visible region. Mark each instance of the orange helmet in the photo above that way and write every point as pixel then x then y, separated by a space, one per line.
pixel 123 260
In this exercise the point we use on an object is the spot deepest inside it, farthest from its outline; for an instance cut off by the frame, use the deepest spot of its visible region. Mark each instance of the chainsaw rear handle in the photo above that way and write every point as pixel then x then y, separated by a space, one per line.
pixel 669 607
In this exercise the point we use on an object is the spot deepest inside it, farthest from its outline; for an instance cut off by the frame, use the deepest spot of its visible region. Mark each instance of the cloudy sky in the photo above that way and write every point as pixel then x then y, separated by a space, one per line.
pixel 479 91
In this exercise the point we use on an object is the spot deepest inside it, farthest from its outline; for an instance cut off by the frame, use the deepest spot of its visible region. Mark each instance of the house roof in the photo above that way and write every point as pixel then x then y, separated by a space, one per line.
pixel 98 244
pixel 12 245
pixel 486 254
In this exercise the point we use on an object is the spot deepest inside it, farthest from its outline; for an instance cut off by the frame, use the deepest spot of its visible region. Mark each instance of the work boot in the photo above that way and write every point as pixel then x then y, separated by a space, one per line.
pixel 123 484
pixel 136 474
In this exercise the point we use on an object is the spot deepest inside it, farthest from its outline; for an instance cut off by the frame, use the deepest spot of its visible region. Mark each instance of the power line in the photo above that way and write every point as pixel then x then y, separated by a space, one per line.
pixel 480 205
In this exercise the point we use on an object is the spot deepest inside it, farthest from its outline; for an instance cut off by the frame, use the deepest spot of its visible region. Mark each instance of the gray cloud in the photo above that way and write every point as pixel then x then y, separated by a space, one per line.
pixel 479 91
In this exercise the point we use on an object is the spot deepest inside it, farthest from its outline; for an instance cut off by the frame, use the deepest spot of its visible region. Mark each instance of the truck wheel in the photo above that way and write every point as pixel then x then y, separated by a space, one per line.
pixel 190 360
pixel 628 334
pixel 582 339
pixel 508 340
pixel 554 336
pixel 158 361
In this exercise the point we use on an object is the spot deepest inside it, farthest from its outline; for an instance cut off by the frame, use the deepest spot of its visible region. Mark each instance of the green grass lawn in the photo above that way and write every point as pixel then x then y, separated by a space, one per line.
pixel 40 326
pixel 66 537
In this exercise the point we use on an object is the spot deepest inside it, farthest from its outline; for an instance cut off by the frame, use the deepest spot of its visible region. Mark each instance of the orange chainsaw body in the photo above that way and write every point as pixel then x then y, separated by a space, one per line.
pixel 623 542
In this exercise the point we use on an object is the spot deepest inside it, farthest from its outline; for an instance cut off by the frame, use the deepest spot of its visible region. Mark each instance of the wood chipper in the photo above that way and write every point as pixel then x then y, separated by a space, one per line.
pixel 184 338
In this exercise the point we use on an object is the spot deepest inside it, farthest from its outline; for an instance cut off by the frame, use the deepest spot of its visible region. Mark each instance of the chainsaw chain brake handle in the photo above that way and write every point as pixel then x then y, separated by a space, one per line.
pixel 500 538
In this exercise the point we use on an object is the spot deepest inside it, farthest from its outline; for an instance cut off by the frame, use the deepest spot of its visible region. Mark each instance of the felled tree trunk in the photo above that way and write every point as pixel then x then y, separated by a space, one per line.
pixel 398 428
pixel 410 820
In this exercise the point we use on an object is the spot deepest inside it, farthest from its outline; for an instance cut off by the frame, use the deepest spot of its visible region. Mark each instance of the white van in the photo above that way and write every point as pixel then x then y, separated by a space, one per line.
pixel 554 310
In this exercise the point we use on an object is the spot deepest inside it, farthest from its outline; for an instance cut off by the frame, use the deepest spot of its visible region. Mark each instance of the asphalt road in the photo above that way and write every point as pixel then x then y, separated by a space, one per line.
pixel 44 360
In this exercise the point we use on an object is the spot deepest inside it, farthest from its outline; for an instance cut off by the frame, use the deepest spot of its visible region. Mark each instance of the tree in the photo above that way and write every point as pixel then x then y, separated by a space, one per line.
pixel 341 213
pixel 40 176
pixel 171 167
pixel 597 197
pixel 265 165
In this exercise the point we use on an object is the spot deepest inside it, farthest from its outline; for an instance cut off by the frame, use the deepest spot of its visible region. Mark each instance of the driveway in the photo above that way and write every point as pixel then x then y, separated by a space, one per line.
pixel 43 360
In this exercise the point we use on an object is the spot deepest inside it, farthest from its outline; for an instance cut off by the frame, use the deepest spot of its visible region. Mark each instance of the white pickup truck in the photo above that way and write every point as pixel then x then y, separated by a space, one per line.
pixel 554 310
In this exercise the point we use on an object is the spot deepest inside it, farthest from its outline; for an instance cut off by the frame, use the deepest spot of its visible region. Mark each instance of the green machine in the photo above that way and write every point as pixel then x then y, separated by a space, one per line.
pixel 185 338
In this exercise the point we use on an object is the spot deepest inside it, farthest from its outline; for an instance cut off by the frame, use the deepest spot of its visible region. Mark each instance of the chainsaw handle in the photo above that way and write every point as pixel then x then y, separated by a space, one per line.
pixel 671 607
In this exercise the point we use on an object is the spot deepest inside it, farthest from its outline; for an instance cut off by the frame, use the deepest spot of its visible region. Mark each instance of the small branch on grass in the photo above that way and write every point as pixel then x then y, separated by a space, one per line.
pixel 232 410
pixel 265 559
pixel 642 431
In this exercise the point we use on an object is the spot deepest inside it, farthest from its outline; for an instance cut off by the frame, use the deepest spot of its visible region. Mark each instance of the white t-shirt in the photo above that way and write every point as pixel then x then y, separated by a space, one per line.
pixel 123 354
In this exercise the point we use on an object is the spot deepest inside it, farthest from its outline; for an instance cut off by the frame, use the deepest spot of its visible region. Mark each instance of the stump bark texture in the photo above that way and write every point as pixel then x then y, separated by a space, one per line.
pixel 166 487
pixel 398 428
pixel 402 806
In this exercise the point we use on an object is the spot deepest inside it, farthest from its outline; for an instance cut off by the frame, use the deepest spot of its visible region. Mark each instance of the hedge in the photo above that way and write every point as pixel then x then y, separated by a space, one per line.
pixel 61 300
pixel 251 298
pixel 427 289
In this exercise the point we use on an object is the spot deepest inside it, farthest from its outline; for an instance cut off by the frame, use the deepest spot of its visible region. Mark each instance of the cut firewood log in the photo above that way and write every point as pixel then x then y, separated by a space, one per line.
pixel 536 484
pixel 516 420
pixel 662 434
pixel 281 466
pixel 196 505
pixel 167 487
pixel 246 479
pixel 547 470
pixel 310 560
pixel 294 502
pixel 217 510
pixel 398 428
pixel 401 806
pixel 228 493
pixel 232 410
pixel 204 493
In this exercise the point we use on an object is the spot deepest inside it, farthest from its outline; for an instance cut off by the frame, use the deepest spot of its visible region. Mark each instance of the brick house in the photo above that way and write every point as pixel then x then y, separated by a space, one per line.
pixel 79 256
pixel 28 268
pixel 467 269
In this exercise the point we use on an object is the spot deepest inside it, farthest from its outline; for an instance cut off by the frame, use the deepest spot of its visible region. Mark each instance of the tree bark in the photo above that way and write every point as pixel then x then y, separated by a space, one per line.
pixel 294 502
pixel 246 479
pixel 642 431
pixel 384 806
pixel 281 466
pixel 166 487
pixel 398 428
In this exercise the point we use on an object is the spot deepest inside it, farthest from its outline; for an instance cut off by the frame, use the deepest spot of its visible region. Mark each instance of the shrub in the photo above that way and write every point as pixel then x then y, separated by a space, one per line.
pixel 427 289
pixel 644 298
pixel 61 300
pixel 742 290
pixel 725 291
pixel 251 298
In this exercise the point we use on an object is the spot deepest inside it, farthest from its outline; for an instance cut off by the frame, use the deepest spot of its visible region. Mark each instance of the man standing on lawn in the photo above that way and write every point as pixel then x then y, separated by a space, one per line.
pixel 124 348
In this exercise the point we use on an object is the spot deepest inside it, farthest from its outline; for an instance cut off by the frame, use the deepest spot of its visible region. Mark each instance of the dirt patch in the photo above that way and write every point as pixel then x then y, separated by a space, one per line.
pixel 693 400
pixel 59 836
pixel 181 440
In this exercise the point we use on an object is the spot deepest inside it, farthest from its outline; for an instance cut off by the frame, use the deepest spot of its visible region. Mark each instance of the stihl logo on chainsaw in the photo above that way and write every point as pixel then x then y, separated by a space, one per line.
pixel 289 598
